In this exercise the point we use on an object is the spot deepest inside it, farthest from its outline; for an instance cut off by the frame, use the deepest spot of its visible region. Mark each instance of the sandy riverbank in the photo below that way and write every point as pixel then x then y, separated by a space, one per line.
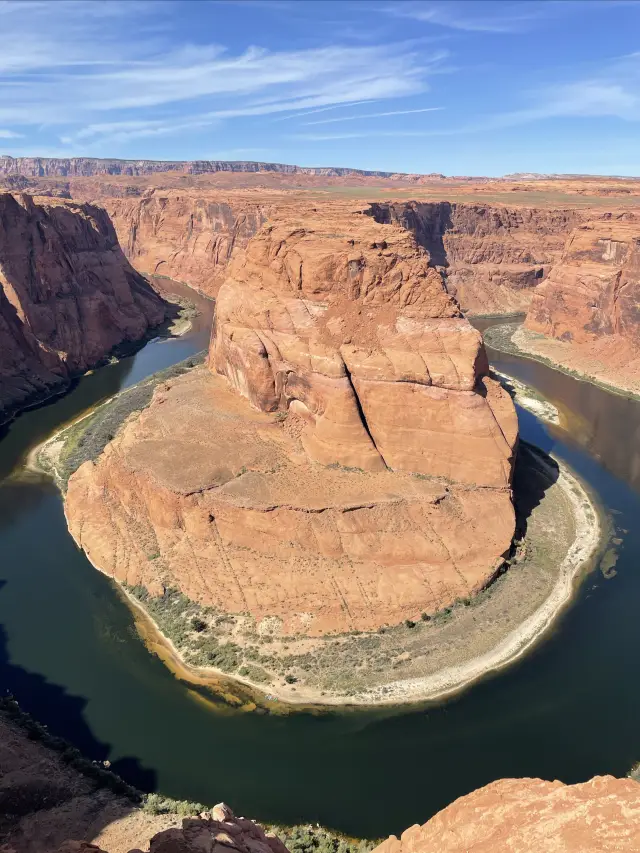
pixel 576 360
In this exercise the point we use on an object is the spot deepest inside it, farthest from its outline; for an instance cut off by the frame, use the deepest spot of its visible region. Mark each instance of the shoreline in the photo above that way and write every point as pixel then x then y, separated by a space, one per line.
pixel 501 338
pixel 588 539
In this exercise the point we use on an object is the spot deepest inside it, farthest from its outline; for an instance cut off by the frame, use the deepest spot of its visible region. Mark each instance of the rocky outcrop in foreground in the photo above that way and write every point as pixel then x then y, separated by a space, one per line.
pixel 515 815
pixel 67 296
pixel 347 463
pixel 532 816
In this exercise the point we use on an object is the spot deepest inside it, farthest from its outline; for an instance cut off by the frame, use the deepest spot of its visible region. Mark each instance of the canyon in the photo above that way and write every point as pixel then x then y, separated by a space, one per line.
pixel 345 426
pixel 68 296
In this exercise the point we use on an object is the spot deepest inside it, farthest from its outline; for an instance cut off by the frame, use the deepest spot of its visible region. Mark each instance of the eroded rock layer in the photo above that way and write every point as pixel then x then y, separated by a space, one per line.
pixel 532 816
pixel 345 463
pixel 593 293
pixel 344 321
pixel 493 257
pixel 67 295
pixel 188 237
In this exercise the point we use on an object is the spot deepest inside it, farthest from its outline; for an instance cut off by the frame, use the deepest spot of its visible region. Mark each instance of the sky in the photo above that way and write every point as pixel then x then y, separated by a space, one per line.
pixel 455 87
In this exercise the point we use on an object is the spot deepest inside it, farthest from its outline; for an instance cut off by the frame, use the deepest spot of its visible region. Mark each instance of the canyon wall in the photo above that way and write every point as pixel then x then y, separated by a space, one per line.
pixel 88 166
pixel 188 237
pixel 587 309
pixel 594 289
pixel 67 296
pixel 493 257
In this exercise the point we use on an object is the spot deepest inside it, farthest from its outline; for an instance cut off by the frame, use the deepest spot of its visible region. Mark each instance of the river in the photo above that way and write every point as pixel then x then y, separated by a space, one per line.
pixel 70 653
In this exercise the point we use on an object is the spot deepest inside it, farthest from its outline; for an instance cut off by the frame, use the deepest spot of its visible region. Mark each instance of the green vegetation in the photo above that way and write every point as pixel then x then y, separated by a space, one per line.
pixel 315 839
pixel 87 438
pixel 156 804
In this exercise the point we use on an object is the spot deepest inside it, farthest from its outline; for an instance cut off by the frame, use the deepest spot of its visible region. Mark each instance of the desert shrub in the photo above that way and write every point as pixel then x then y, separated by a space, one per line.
pixel 156 804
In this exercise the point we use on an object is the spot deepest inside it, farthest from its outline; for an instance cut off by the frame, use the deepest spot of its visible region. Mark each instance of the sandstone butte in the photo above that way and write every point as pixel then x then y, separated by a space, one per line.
pixel 591 299
pixel 67 296
pixel 507 816
pixel 345 463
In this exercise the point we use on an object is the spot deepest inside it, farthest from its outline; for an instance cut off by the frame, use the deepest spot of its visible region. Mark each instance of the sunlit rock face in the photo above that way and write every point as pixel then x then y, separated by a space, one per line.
pixel 532 816
pixel 343 321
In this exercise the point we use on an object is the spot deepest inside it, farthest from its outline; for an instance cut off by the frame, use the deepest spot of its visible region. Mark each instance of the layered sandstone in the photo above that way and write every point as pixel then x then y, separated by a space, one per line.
pixel 594 289
pixel 67 295
pixel 89 166
pixel 494 257
pixel 344 321
pixel 347 464
pixel 186 236
pixel 532 816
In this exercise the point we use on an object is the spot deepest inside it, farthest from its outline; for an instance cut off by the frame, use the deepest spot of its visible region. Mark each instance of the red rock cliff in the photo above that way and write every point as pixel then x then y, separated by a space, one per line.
pixel 594 289
pixel 354 437
pixel 67 295
pixel 493 257
pixel 186 236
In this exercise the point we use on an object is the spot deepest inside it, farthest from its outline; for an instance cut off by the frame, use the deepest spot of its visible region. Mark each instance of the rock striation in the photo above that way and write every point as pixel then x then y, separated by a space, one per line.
pixel 493 257
pixel 188 237
pixel 89 166
pixel 67 296
pixel 593 292
pixel 532 816
pixel 344 464
pixel 352 330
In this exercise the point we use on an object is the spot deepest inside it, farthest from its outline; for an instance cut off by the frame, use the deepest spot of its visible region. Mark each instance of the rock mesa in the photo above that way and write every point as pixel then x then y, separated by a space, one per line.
pixel 344 463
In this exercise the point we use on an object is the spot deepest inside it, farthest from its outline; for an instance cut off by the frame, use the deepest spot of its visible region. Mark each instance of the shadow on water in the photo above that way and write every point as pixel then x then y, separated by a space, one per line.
pixel 63 713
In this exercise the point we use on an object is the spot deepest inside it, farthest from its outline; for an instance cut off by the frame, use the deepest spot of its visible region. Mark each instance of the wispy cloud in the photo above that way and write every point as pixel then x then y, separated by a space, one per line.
pixel 9 134
pixel 374 115
pixel 470 16
pixel 70 65
pixel 361 134
pixel 611 92
pixel 322 110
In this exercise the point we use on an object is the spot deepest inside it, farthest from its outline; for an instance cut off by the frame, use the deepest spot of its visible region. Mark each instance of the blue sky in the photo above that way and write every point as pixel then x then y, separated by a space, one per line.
pixel 481 88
